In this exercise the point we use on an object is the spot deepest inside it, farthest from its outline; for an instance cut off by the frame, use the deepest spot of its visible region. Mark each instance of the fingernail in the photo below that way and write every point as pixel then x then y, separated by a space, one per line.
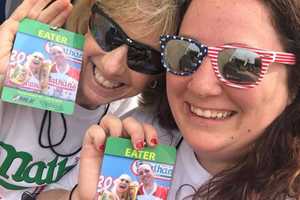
pixel 139 145
pixel 154 141
pixel 102 147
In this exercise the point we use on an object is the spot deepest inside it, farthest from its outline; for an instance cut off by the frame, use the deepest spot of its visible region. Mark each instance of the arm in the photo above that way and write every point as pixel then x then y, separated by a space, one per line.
pixel 58 194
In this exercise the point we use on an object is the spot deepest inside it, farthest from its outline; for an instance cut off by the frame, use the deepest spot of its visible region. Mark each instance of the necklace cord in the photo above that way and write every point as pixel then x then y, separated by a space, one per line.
pixel 50 145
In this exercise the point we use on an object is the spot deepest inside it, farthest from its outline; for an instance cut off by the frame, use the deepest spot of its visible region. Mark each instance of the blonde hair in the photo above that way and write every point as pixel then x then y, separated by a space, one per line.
pixel 160 15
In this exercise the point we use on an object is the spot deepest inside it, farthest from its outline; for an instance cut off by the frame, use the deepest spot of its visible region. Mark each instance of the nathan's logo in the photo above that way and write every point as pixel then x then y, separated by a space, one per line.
pixel 73 54
pixel 161 171
pixel 27 171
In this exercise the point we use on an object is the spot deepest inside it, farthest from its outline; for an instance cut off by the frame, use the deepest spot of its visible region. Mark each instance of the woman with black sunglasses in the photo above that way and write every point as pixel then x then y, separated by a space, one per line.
pixel 236 104
pixel 121 59
pixel 121 50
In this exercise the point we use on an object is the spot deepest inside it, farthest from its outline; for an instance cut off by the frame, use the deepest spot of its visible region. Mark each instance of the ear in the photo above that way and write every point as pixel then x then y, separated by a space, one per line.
pixel 153 84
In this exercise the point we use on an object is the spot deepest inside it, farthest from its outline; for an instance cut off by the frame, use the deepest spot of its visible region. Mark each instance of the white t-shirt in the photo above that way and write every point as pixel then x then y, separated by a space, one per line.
pixel 24 164
pixel 188 172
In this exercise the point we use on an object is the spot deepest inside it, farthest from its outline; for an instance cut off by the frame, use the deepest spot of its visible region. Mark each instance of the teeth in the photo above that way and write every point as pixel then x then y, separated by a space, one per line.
pixel 105 83
pixel 210 114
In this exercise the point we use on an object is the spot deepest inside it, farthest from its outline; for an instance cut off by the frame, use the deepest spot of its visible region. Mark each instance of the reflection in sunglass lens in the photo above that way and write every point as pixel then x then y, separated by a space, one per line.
pixel 105 33
pixel 239 65
pixel 181 56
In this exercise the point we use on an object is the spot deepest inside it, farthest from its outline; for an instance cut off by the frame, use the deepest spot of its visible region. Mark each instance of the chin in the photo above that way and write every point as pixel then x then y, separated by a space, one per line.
pixel 91 100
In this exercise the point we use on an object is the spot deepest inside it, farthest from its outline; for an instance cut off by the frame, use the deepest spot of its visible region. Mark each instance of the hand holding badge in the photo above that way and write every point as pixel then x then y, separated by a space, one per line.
pixel 44 67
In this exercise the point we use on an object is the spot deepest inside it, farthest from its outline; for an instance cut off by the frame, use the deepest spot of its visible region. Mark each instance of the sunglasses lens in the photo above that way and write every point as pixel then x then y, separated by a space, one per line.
pixel 110 36
pixel 181 57
pixel 239 66
pixel 105 33
pixel 144 60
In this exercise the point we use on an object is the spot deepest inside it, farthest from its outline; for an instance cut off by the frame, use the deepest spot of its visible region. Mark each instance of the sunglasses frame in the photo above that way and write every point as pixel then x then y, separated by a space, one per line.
pixel 267 57
pixel 128 41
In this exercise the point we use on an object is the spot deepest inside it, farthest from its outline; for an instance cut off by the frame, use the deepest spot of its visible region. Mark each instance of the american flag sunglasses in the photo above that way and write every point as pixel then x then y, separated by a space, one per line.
pixel 236 65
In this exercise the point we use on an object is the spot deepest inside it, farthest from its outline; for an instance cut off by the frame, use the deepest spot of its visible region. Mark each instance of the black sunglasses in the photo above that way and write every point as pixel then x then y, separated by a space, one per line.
pixel 109 35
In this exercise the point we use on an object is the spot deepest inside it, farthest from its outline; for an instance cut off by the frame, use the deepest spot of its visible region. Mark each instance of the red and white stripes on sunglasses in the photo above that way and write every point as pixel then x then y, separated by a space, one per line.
pixel 267 57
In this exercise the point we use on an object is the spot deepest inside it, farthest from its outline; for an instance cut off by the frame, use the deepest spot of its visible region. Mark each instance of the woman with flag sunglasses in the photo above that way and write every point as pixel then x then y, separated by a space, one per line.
pixel 233 95
pixel 121 58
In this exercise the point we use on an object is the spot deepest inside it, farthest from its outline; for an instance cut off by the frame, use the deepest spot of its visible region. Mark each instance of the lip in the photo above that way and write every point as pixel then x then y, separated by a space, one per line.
pixel 104 91
pixel 123 186
pixel 206 121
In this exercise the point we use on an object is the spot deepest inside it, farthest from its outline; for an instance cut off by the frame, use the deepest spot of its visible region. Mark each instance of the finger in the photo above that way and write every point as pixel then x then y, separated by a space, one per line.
pixel 54 10
pixel 90 161
pixel 136 131
pixel 7 33
pixel 22 10
pixel 112 125
pixel 150 135
pixel 61 18
pixel 94 139
pixel 37 8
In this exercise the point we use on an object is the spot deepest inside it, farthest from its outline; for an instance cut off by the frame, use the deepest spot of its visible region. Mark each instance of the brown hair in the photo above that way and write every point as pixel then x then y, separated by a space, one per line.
pixel 271 170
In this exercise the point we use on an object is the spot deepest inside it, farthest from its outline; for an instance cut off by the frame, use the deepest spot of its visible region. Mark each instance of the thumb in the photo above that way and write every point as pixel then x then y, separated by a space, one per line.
pixel 8 30
pixel 90 161
pixel 7 33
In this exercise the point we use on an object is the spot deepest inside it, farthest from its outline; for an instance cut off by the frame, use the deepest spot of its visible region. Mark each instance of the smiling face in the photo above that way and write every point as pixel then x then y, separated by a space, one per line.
pixel 123 185
pixel 59 58
pixel 218 121
pixel 105 76
pixel 146 175
pixel 35 61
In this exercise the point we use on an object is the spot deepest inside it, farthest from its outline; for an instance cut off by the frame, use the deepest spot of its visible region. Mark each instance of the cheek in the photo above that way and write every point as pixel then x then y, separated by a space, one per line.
pixel 139 81
pixel 176 87
pixel 260 105
pixel 91 48
pixel 271 95
pixel 87 51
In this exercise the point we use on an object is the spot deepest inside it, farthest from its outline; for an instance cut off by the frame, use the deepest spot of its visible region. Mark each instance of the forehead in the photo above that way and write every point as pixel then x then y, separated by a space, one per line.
pixel 37 55
pixel 231 21
pixel 144 167
pixel 57 49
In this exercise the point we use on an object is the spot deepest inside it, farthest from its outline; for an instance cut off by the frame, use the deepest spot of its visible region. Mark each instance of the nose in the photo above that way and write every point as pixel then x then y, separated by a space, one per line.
pixel 204 81
pixel 114 63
